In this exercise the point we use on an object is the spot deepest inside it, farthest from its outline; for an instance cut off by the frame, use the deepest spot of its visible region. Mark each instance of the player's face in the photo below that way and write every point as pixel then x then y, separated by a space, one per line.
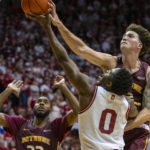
pixel 106 77
pixel 42 107
pixel 130 42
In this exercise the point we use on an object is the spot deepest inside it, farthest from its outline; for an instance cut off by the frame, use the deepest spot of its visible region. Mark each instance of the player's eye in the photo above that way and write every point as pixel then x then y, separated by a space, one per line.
pixel 46 102
pixel 131 35
pixel 39 100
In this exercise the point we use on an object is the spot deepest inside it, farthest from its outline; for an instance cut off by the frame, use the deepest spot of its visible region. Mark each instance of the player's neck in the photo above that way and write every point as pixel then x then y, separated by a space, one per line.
pixel 40 122
pixel 131 62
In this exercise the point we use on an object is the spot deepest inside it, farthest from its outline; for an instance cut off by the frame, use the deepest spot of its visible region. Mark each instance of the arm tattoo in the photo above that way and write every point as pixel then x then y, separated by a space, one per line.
pixel 146 95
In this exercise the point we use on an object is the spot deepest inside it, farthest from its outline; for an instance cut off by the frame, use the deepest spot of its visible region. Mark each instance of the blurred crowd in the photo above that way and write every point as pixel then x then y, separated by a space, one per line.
pixel 25 53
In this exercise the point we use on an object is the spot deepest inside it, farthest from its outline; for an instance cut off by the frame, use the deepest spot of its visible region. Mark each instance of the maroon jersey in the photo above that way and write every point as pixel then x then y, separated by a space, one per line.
pixel 139 82
pixel 29 137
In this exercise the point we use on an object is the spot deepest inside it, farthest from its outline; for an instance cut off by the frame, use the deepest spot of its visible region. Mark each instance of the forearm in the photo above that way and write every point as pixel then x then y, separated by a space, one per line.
pixel 78 79
pixel 67 64
pixel 4 95
pixel 71 99
pixel 57 48
pixel 141 118
pixel 75 43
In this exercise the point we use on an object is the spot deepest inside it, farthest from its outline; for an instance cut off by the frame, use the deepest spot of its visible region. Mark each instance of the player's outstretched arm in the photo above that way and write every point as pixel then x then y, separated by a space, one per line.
pixel 105 61
pixel 59 82
pixel 14 87
pixel 81 81
pixel 144 114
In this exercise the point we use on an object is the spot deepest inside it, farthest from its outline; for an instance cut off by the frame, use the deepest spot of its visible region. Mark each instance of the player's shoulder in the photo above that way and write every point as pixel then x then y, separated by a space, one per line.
pixel 60 119
pixel 14 117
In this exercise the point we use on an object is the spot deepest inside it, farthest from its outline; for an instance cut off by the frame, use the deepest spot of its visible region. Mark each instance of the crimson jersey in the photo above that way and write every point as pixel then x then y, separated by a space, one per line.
pixel 139 82
pixel 136 139
pixel 29 137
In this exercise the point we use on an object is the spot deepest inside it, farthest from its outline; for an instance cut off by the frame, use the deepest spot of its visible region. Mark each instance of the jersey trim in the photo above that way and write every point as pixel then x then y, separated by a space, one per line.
pixel 58 145
pixel 146 143
pixel 128 110
pixel 137 103
pixel 91 101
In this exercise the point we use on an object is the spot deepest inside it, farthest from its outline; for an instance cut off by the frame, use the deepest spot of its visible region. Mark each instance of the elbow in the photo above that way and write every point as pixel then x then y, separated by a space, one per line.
pixel 75 112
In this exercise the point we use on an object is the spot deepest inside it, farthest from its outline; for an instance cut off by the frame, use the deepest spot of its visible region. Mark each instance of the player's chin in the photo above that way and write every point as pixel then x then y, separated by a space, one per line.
pixel 41 114
pixel 124 48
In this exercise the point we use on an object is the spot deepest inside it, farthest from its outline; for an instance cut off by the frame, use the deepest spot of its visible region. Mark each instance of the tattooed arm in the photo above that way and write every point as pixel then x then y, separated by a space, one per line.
pixel 143 115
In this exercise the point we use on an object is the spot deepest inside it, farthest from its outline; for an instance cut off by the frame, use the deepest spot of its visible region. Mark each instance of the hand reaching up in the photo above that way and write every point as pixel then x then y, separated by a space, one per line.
pixel 59 81
pixel 41 19
pixel 15 87
pixel 53 15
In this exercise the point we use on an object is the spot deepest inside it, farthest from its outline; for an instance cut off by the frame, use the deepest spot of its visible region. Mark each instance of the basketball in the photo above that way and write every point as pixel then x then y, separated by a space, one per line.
pixel 38 7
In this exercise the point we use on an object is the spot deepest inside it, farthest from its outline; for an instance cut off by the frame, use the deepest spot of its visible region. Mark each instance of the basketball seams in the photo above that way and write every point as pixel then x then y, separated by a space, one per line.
pixel 39 6
pixel 29 6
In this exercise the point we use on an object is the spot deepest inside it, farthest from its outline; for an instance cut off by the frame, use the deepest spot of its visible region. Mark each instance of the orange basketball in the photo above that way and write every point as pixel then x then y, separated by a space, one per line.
pixel 38 7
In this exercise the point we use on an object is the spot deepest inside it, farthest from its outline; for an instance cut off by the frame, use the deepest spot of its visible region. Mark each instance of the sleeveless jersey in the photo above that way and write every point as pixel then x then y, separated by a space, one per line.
pixel 102 122
pixel 29 137
pixel 139 82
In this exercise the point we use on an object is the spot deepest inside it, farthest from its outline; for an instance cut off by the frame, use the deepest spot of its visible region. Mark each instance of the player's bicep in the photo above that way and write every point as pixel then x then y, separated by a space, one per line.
pixel 3 121
pixel 146 94
pixel 71 118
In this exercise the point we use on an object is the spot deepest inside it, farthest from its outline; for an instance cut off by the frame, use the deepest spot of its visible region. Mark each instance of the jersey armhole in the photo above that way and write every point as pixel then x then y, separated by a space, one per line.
pixel 91 101
pixel 128 111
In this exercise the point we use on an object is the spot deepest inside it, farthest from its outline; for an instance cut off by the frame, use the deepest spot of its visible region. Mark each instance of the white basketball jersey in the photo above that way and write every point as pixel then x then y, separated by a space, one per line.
pixel 102 122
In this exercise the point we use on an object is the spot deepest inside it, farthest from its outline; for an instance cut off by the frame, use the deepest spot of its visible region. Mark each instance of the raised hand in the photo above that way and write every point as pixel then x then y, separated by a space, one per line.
pixel 54 17
pixel 15 86
pixel 59 81
pixel 41 19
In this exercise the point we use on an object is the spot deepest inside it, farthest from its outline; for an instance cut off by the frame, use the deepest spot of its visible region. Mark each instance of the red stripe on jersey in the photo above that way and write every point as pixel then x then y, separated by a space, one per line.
pixel 91 101
pixel 127 113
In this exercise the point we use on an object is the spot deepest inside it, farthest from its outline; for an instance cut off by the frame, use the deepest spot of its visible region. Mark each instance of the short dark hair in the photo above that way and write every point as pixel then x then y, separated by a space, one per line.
pixel 121 82
pixel 144 36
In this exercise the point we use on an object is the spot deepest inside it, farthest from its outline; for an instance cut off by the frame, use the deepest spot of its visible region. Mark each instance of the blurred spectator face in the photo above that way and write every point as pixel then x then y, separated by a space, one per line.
pixel 5 108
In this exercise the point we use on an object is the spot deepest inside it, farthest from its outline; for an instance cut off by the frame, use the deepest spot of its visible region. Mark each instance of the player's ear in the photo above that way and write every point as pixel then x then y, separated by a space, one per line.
pixel 109 83
pixel 140 45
